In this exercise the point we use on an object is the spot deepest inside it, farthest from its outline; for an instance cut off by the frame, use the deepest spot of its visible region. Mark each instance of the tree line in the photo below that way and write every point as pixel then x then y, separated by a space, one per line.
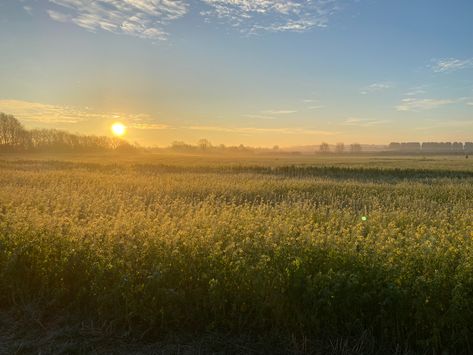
pixel 340 148
pixel 204 145
pixel 15 138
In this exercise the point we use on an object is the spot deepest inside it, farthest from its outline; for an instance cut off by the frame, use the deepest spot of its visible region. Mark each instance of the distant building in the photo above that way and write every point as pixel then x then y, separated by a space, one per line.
pixel 410 147
pixel 468 148
pixel 457 147
pixel 432 147
pixel 437 147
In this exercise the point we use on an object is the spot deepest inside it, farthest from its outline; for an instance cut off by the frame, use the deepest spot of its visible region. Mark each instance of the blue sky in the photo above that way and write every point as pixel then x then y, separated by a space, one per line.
pixel 256 72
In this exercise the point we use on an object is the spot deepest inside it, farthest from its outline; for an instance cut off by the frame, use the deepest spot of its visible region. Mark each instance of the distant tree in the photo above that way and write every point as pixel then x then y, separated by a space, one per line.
pixel 14 137
pixel 182 146
pixel 125 147
pixel 177 144
pixel 355 148
pixel 340 148
pixel 324 148
pixel 12 134
pixel 276 148
pixel 204 144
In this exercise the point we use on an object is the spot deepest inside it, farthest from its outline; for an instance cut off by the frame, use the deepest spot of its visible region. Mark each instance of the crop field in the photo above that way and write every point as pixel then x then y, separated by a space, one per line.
pixel 290 254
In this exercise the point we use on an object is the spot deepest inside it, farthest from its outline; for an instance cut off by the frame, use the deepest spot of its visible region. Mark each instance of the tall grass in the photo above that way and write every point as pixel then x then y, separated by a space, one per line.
pixel 254 249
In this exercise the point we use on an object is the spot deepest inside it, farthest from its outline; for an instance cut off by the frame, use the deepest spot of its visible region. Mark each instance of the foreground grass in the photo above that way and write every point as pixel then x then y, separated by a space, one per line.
pixel 277 252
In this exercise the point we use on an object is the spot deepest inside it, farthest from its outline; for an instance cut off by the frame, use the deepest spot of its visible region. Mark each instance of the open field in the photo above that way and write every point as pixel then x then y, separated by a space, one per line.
pixel 365 160
pixel 325 254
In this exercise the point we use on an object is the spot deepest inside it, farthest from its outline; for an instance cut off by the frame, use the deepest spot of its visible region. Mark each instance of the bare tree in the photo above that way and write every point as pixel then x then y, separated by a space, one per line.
pixel 324 148
pixel 204 144
pixel 12 134
pixel 13 137
pixel 340 148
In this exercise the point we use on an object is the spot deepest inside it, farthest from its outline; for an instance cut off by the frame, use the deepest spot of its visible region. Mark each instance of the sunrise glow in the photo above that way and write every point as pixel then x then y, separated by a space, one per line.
pixel 118 129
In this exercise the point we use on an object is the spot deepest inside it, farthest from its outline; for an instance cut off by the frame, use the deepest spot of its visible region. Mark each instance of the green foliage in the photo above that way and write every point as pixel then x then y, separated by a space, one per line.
pixel 248 249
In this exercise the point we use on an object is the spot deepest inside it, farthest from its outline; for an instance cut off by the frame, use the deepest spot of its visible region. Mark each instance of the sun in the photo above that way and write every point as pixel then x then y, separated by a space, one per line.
pixel 118 129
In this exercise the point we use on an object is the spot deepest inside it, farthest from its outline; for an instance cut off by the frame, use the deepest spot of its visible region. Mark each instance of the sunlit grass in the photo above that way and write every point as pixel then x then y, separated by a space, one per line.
pixel 313 251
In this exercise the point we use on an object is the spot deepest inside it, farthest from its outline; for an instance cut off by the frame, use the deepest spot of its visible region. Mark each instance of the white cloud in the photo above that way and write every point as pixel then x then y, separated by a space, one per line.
pixel 253 130
pixel 269 114
pixel 432 124
pixel 140 18
pixel 375 87
pixel 417 90
pixel 149 126
pixel 35 112
pixel 57 16
pixel 362 122
pixel 28 9
pixel 43 113
pixel 417 104
pixel 314 104
pixel 253 16
pixel 279 112
pixel 451 64
pixel 260 117
pixel 148 18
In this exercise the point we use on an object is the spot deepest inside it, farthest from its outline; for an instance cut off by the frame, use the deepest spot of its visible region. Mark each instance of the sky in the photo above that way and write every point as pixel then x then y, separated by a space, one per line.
pixel 252 72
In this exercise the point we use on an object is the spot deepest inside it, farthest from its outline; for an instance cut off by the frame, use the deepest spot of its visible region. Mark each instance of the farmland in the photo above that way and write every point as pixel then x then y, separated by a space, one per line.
pixel 323 253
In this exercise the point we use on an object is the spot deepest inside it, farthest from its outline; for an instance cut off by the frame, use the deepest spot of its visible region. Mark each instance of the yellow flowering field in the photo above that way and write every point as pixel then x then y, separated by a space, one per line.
pixel 314 252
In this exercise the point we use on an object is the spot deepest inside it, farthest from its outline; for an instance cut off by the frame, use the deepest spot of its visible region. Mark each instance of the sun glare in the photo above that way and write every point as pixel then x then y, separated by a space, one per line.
pixel 118 129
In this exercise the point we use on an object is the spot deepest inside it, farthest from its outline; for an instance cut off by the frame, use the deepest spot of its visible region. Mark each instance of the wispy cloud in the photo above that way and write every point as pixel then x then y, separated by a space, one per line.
pixel 43 113
pixel 362 122
pixel 140 18
pixel 417 104
pixel 149 18
pixel 35 112
pixel 416 90
pixel 269 114
pixel 432 124
pixel 278 112
pixel 376 87
pixel 253 130
pixel 252 16
pixel 451 64
pixel 260 117
pixel 314 104
pixel 58 16
pixel 28 9
pixel 315 107
pixel 150 126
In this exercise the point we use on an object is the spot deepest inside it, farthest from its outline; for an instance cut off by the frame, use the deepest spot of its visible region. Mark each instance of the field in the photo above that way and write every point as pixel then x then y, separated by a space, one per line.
pixel 277 254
